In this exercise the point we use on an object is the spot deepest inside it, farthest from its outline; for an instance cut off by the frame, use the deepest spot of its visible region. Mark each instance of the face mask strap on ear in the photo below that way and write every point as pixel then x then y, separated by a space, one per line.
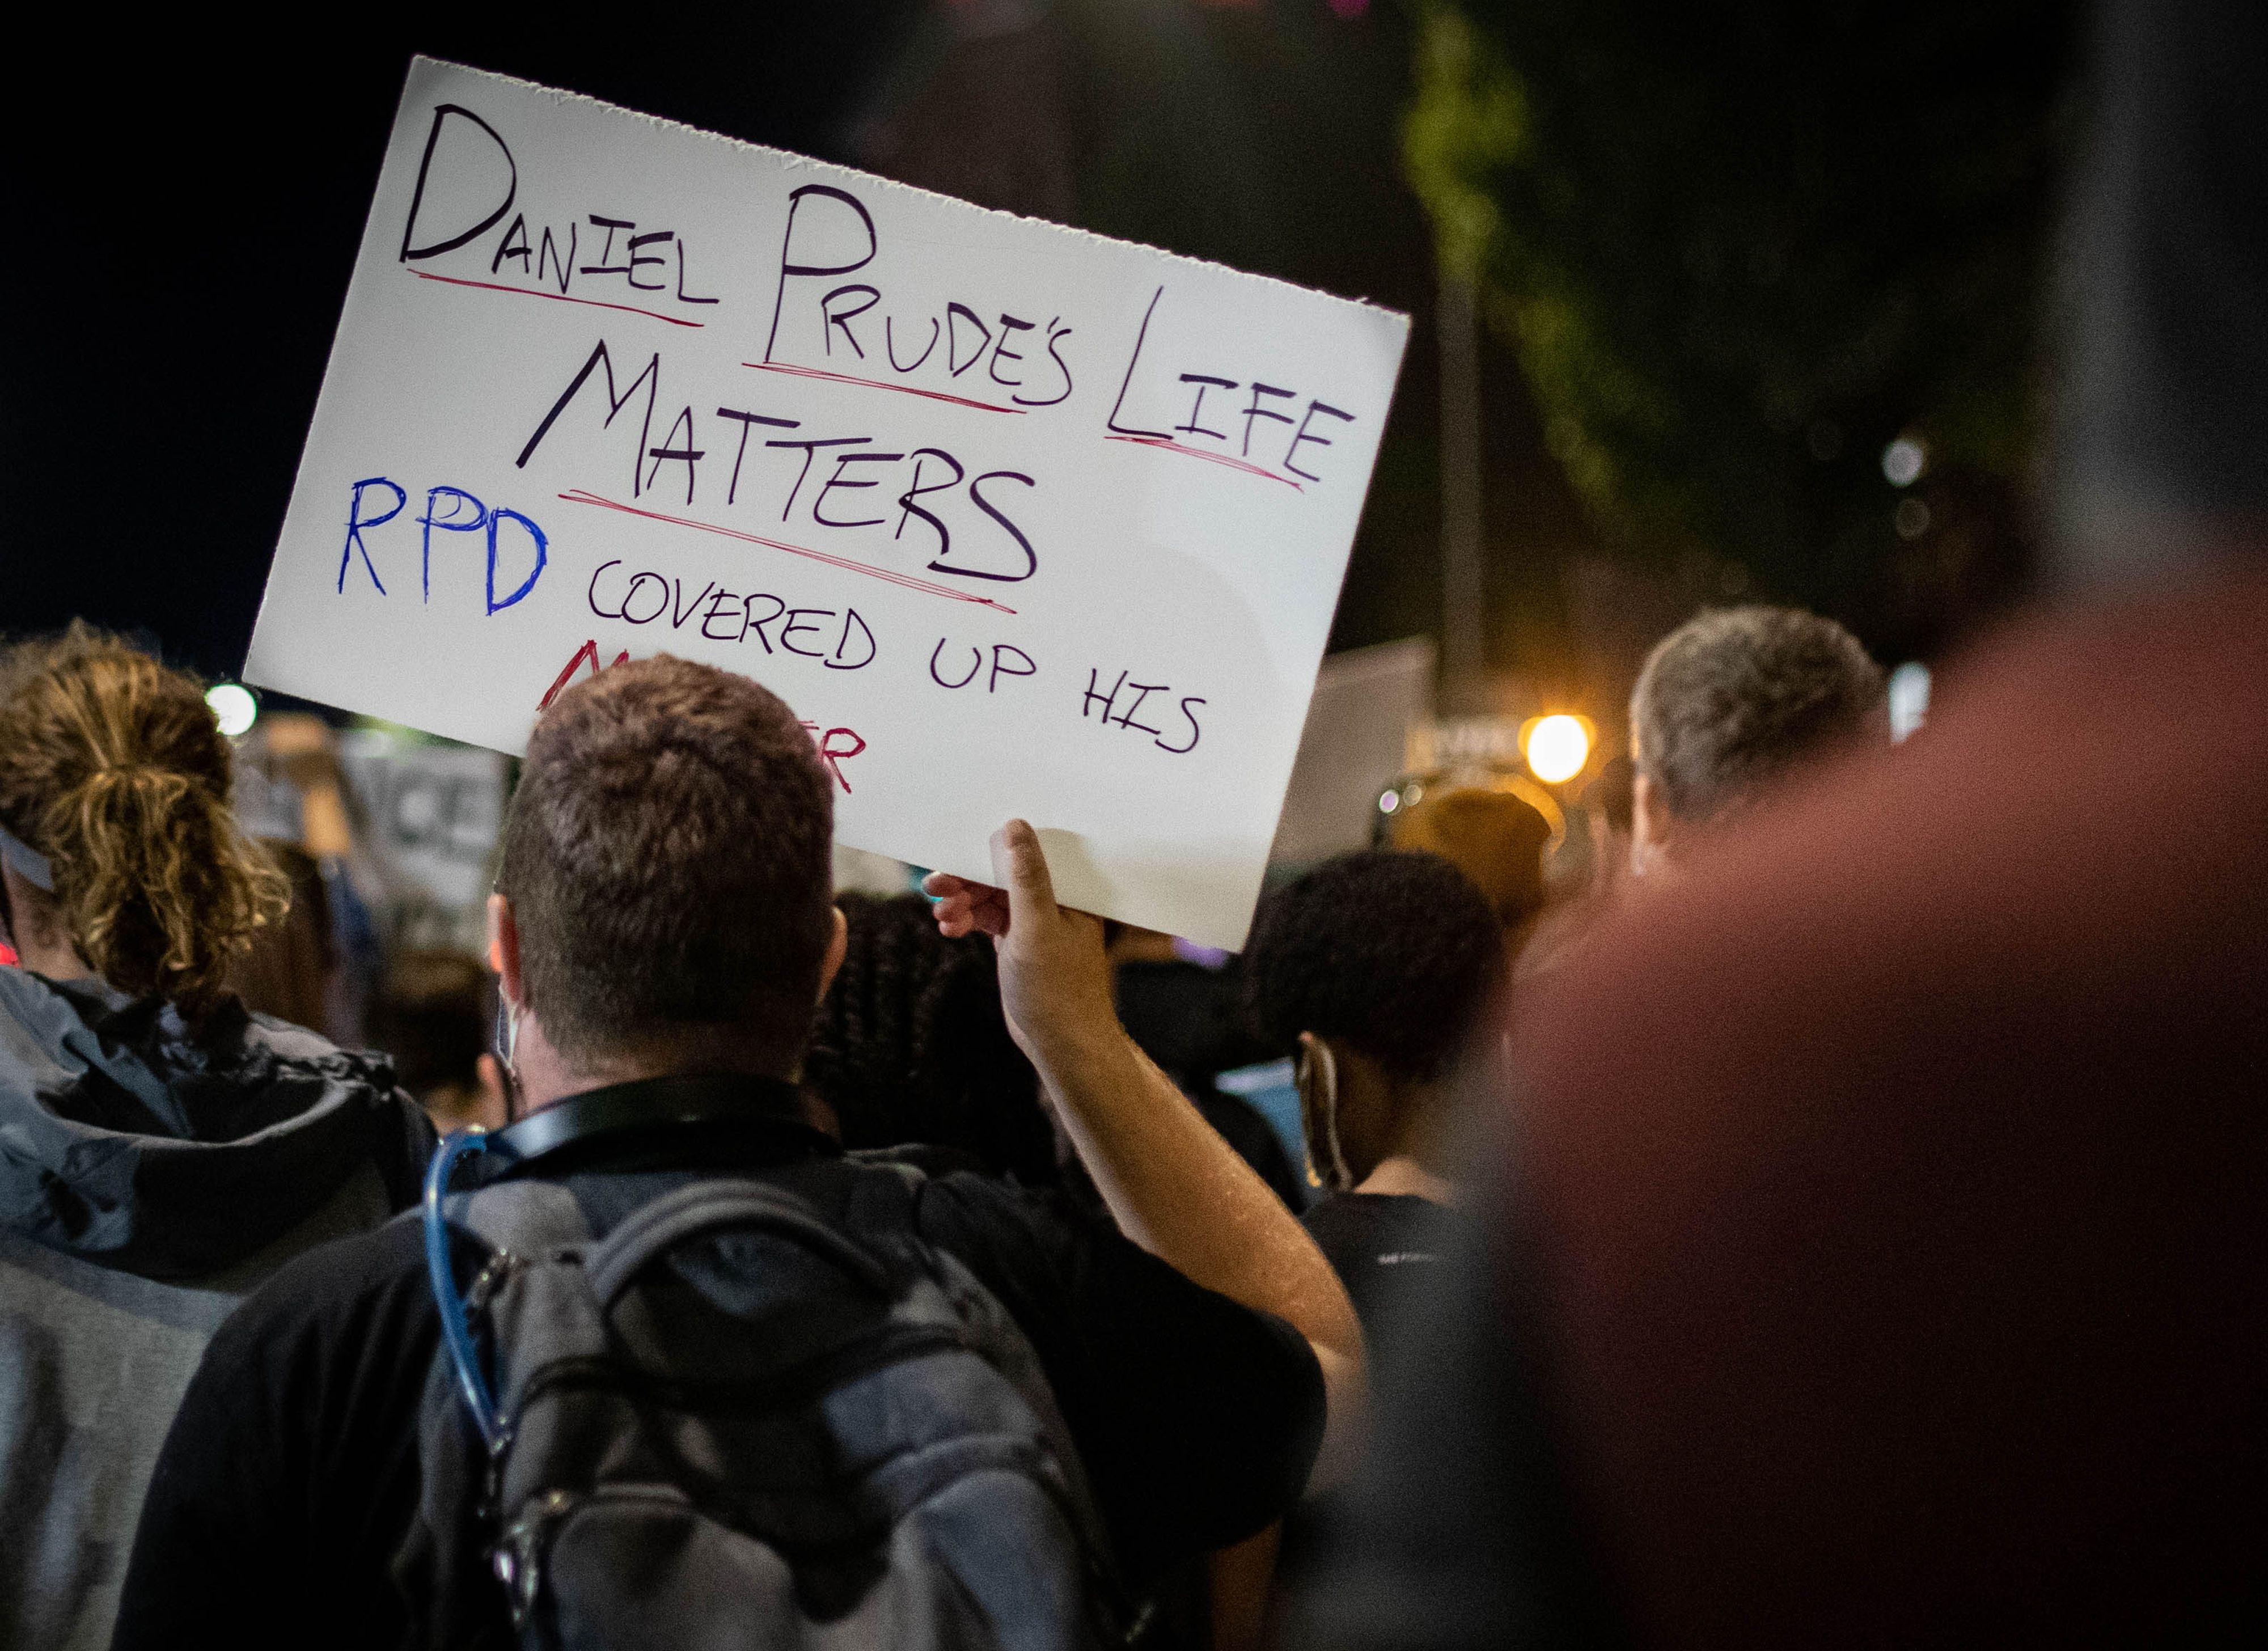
pixel 1319 1092
pixel 27 862
pixel 507 1051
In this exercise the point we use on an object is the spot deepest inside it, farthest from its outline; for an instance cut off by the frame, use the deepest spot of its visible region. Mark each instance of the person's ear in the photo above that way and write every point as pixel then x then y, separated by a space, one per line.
pixel 838 946
pixel 1650 826
pixel 495 1109
pixel 503 949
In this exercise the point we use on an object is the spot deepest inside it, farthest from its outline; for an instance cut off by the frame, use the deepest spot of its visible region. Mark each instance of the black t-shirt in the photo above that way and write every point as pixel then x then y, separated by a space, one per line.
pixel 291 1476
pixel 1378 1243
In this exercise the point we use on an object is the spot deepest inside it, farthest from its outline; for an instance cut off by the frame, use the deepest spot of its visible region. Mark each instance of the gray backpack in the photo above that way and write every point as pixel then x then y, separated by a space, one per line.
pixel 733 1424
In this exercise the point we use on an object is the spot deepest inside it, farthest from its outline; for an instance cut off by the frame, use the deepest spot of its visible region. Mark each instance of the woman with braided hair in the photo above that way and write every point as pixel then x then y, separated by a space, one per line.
pixel 161 1150
pixel 911 1045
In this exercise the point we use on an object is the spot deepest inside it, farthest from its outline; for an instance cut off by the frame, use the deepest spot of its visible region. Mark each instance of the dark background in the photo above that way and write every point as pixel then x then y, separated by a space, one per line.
pixel 190 213
pixel 1765 217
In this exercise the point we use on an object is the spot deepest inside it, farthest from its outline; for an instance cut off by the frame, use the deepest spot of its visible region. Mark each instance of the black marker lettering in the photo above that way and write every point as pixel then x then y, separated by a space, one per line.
pixel 506 249
pixel 796 624
pixel 1291 452
pixel 795 204
pixel 809 448
pixel 1254 411
pixel 610 224
pixel 1009 326
pixel 954 313
pixel 1001 667
pixel 1112 422
pixel 757 625
pixel 683 297
pixel 592 595
pixel 1126 716
pixel 684 452
pixel 678 613
pixel 1203 381
pixel 651 377
pixel 716 611
pixel 906 506
pixel 638 259
pixel 830 317
pixel 1087 703
pixel 550 255
pixel 441 114
pixel 1056 335
pixel 1190 718
pixel 890 348
pixel 975 664
pixel 746 419
pixel 661 593
pixel 841 660
pixel 836 481
pixel 977 496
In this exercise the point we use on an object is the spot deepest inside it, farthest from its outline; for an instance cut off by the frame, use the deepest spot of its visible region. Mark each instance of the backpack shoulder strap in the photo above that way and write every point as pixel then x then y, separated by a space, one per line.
pixel 884 1205
pixel 529 1218
pixel 714 1206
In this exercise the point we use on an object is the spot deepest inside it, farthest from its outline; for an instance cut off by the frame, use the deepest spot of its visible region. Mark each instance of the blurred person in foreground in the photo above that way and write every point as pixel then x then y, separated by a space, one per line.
pixel 164 1151
pixel 1729 705
pixel 431 1013
pixel 1901 1283
pixel 663 933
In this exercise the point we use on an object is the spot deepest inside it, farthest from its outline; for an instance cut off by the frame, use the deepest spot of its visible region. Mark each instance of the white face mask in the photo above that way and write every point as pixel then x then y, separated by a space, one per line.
pixel 1317 1077
pixel 507 1051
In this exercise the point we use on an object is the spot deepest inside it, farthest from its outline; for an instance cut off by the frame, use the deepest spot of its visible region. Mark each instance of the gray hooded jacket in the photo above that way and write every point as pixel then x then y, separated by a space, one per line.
pixel 148 1177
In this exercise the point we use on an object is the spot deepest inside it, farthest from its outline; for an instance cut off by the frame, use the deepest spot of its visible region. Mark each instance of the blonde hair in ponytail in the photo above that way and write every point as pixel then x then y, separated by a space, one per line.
pixel 112 766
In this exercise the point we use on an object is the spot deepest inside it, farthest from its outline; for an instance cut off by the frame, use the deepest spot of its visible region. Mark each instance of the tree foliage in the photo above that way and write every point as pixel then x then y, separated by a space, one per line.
pixel 1741 246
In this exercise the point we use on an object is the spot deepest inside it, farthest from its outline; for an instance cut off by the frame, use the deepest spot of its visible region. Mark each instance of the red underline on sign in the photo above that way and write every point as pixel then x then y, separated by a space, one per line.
pixel 878 384
pixel 578 497
pixel 1199 453
pixel 562 298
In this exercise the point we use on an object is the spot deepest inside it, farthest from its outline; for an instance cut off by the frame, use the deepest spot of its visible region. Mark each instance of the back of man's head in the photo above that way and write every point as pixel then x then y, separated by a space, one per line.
pixel 666 856
pixel 1733 699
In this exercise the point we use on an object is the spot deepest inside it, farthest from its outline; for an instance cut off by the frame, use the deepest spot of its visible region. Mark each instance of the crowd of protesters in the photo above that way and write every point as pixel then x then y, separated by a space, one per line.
pixel 1837 1221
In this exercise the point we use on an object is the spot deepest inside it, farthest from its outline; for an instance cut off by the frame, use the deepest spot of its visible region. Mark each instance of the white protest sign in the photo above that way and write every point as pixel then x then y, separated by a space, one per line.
pixel 1020 521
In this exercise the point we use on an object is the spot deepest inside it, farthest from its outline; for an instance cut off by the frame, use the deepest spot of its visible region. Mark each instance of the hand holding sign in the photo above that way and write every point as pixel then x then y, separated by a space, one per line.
pixel 1055 975
pixel 1022 521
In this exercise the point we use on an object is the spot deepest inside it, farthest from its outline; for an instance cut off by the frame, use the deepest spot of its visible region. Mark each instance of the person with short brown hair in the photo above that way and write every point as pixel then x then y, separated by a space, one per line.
pixel 166 1149
pixel 663 933
pixel 663 904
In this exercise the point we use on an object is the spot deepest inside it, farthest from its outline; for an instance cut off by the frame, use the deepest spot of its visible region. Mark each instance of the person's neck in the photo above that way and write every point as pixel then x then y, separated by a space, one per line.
pixel 55 957
pixel 41 938
pixel 547 1077
pixel 1403 1176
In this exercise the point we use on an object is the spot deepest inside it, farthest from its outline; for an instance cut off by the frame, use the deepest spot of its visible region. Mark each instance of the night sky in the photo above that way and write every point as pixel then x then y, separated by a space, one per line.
pixel 185 207
pixel 192 210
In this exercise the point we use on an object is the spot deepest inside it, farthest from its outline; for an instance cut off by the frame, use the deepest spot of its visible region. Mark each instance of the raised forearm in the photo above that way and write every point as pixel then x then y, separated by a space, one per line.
pixel 1179 1191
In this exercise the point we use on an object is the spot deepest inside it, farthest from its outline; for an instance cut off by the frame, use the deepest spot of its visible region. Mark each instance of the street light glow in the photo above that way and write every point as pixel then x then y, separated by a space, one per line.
pixel 233 707
pixel 1557 748
pixel 1904 460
